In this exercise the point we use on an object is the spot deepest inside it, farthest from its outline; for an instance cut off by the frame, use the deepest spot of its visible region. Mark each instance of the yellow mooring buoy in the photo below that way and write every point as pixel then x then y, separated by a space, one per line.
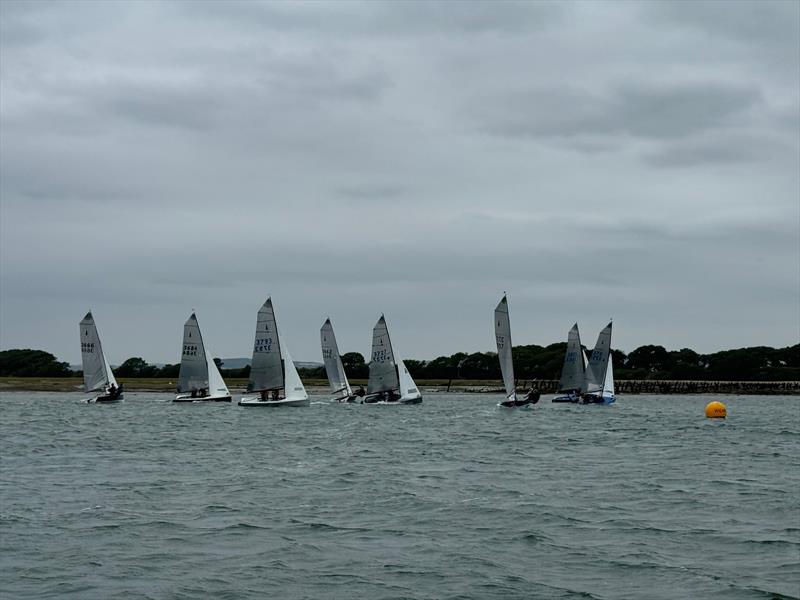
pixel 716 410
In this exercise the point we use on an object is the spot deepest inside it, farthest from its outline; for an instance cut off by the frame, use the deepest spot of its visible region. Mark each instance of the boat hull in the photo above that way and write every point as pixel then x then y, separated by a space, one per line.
pixel 188 398
pixel 105 400
pixel 415 400
pixel 601 400
pixel 567 399
pixel 274 403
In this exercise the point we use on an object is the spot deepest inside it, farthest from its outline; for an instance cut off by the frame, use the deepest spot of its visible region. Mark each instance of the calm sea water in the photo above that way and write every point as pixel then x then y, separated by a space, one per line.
pixel 451 499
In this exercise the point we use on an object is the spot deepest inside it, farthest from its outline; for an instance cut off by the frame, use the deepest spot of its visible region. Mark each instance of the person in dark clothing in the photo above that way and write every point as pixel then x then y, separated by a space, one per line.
pixel 532 397
pixel 360 391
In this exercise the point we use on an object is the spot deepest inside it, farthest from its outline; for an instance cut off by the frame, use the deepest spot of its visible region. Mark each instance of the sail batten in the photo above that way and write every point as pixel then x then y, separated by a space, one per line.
pixel 266 368
pixel 333 361
pixel 383 375
pixel 502 334
pixel 97 374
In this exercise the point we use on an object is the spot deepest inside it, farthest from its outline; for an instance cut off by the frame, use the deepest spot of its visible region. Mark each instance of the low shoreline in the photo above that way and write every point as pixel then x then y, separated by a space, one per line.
pixel 318 386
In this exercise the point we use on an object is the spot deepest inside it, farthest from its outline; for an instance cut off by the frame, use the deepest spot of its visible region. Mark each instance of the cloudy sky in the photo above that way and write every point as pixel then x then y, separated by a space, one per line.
pixel 629 160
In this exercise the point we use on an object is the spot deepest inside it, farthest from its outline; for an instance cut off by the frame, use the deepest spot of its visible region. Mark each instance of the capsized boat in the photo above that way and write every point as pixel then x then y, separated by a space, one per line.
pixel 600 372
pixel 97 374
pixel 199 379
pixel 573 376
pixel 340 387
pixel 273 376
pixel 389 379
pixel 502 334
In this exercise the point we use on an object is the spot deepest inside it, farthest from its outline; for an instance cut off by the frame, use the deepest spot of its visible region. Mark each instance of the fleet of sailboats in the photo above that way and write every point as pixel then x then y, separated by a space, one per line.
pixel 199 379
pixel 274 380
pixel 97 374
pixel 273 376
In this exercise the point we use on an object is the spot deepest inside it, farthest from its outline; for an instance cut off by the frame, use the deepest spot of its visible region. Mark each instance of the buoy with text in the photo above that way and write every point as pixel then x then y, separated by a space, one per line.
pixel 716 410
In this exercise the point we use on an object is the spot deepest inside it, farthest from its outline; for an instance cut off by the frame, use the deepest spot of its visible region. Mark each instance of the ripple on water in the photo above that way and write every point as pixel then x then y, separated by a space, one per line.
pixel 453 499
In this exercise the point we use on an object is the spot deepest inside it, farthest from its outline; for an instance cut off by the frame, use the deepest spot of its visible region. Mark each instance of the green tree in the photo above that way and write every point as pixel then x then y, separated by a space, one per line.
pixel 31 363
pixel 136 366
pixel 354 365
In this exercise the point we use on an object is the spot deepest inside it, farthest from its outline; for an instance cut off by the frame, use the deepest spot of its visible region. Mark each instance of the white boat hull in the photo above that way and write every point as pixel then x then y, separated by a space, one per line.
pixel 188 398
pixel 274 403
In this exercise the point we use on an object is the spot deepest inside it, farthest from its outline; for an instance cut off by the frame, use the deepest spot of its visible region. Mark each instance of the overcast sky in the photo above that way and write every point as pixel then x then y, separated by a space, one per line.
pixel 629 160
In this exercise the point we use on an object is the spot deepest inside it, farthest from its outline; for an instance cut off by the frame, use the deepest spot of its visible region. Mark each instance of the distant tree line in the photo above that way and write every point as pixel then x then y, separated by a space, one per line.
pixel 759 363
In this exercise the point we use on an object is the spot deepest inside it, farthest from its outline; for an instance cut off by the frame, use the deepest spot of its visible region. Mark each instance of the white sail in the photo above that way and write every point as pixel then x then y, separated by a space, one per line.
pixel 502 334
pixel 572 372
pixel 295 390
pixel 266 369
pixel 382 367
pixel 97 373
pixel 216 385
pixel 608 386
pixel 598 362
pixel 333 362
pixel 408 389
pixel 193 374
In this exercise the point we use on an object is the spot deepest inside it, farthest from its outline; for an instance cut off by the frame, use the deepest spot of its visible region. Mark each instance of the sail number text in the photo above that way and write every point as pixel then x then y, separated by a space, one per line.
pixel 87 347
pixel 380 356
pixel 189 350
pixel 263 345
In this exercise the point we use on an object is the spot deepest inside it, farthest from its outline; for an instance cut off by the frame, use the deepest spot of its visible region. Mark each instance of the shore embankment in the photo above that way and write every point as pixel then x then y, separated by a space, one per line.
pixel 314 386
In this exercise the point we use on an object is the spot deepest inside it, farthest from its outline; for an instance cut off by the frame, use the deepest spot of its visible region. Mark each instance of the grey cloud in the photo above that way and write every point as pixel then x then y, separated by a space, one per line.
pixel 768 22
pixel 722 149
pixel 644 111
pixel 384 18
pixel 163 156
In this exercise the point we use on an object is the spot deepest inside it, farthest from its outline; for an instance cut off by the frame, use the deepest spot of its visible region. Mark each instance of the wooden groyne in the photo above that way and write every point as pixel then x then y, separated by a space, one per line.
pixel 630 386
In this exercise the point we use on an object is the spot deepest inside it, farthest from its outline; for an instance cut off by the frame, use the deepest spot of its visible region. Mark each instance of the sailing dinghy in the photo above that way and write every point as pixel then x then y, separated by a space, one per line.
pixel 600 372
pixel 389 379
pixel 573 376
pixel 97 374
pixel 340 387
pixel 199 379
pixel 273 375
pixel 502 334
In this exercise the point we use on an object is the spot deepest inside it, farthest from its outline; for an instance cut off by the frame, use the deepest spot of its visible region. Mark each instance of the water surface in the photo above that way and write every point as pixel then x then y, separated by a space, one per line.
pixel 454 498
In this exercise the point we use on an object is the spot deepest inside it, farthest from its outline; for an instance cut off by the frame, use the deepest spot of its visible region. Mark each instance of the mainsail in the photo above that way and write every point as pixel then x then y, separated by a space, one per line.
pixel 502 334
pixel 572 373
pixel 194 367
pixel 97 373
pixel 266 369
pixel 598 362
pixel 333 362
pixel 382 368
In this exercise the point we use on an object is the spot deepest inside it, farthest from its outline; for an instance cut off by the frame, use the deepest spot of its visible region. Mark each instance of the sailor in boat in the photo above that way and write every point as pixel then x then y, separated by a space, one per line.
pixel 390 397
pixel 531 397
pixel 275 395
pixel 263 395
pixel 114 392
